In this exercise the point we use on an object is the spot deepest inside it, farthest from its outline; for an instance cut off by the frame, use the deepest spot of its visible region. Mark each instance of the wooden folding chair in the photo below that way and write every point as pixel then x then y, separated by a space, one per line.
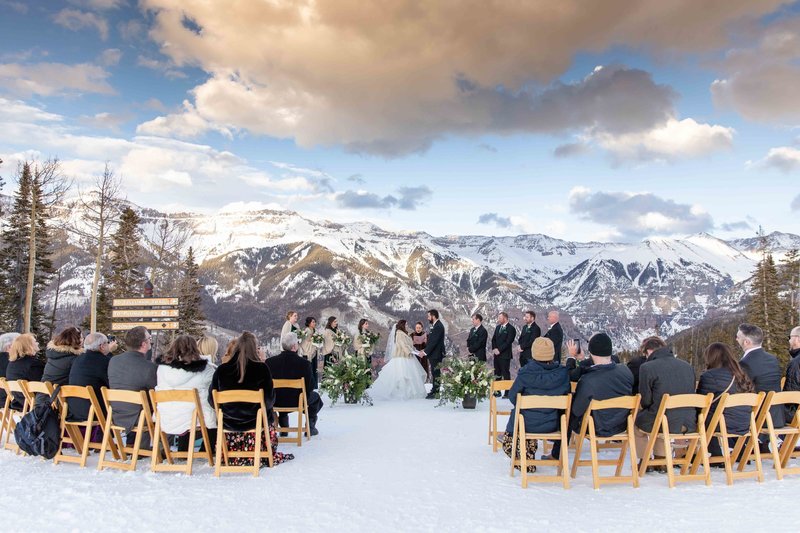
pixel 159 398
pixel 113 433
pixel 521 438
pixel 9 423
pixel 696 439
pixel 623 441
pixel 79 433
pixel 262 425
pixel 500 385
pixel 301 410
pixel 717 428
pixel 39 387
pixel 790 433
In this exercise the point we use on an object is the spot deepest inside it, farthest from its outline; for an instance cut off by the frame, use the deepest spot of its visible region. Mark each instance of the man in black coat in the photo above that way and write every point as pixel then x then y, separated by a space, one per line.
pixel 502 343
pixel 662 374
pixel 289 365
pixel 555 333
pixel 602 380
pixel 476 340
pixel 90 369
pixel 793 370
pixel 530 332
pixel 434 350
pixel 764 371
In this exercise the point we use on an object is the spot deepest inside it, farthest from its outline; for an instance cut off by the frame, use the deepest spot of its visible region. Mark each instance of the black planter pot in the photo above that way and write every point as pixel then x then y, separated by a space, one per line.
pixel 469 402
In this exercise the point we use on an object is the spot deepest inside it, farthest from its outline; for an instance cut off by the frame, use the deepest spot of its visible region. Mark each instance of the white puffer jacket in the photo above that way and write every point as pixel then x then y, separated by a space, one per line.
pixel 176 416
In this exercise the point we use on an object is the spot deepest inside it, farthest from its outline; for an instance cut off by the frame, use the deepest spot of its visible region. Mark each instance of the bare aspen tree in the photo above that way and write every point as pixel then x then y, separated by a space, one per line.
pixel 101 204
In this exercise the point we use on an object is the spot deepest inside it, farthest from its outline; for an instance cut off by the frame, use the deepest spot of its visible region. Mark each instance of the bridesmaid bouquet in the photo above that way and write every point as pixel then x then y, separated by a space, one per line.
pixel 369 340
pixel 340 338
pixel 301 334
pixel 317 339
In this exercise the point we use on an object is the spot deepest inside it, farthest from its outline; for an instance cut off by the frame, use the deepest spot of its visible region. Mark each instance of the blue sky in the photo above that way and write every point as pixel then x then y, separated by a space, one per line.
pixel 621 124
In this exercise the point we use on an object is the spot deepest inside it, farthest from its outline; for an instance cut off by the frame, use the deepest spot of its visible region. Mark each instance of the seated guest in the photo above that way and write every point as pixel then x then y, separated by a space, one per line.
pixel 61 353
pixel 208 347
pixel 182 367
pixel 131 371
pixel 602 380
pixel 6 339
pixel 649 345
pixel 541 376
pixel 662 374
pixel 228 351
pixel 246 371
pixel 579 363
pixel 764 371
pixel 289 365
pixel 792 370
pixel 23 364
pixel 90 369
pixel 723 375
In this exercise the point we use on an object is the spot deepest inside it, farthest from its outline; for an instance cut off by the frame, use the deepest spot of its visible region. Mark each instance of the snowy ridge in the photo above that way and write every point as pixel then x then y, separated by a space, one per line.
pixel 255 265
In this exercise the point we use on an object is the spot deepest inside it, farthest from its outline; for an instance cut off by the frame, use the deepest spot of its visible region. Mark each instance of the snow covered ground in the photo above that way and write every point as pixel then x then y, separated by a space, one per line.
pixel 390 467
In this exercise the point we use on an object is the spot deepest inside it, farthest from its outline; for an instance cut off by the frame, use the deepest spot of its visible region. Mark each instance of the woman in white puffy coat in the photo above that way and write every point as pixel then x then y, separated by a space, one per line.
pixel 181 367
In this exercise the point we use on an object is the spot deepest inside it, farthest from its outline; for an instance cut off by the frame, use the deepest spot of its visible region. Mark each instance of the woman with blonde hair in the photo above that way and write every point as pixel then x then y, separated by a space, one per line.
pixel 291 323
pixel 208 347
pixel 23 364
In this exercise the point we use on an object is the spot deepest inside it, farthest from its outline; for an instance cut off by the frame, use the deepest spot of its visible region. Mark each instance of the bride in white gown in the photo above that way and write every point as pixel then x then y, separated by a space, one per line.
pixel 402 377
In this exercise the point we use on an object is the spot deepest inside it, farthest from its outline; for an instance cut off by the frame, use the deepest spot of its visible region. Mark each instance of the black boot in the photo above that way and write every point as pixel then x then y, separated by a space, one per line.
pixel 312 422
pixel 283 421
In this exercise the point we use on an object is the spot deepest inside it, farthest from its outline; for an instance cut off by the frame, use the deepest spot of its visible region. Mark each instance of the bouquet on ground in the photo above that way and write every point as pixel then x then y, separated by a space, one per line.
pixel 317 339
pixel 464 378
pixel 340 338
pixel 349 377
pixel 368 341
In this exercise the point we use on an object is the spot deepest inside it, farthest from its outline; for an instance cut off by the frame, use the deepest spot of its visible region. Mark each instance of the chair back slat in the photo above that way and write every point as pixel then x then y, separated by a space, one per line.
pixel 238 396
pixel 621 402
pixel 501 385
pixel 680 401
pixel 743 399
pixel 534 401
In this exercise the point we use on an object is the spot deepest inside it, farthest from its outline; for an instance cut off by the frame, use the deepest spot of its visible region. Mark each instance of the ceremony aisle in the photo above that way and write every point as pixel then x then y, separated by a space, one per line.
pixel 405 466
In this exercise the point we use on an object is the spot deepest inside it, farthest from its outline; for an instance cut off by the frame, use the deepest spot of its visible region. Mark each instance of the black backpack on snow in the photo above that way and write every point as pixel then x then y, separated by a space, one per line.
pixel 39 431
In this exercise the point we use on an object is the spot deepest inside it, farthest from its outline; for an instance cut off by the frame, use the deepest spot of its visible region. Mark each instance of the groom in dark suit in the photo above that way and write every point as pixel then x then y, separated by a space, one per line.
pixel 434 350
pixel 476 340
pixel 555 333
pixel 502 343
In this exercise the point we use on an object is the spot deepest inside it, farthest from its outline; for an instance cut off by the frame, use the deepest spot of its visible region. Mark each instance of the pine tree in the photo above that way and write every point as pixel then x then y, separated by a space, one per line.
pixel 790 274
pixel 27 236
pixel 125 280
pixel 767 309
pixel 191 313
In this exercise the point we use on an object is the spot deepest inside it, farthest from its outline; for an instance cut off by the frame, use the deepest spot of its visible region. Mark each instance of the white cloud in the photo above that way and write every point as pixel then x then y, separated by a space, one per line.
pixel 760 80
pixel 74 19
pixel 166 68
pixel 783 158
pixel 110 57
pixel 186 125
pixel 393 78
pixel 241 207
pixel 49 79
pixel 676 139
pixel 637 215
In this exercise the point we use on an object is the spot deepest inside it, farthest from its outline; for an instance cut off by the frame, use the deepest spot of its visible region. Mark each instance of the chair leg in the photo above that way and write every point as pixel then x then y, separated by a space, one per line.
pixel 651 442
pixel 257 458
pixel 578 449
pixel 155 457
pixel 595 463
pixel 564 468
pixel 668 452
pixel 190 448
pixel 726 457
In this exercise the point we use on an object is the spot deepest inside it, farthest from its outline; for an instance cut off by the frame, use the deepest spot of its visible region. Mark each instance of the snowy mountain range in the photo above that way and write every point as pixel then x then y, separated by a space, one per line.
pixel 257 265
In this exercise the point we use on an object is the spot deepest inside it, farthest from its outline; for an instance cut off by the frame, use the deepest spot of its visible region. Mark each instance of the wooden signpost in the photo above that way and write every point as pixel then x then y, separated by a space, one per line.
pixel 156 314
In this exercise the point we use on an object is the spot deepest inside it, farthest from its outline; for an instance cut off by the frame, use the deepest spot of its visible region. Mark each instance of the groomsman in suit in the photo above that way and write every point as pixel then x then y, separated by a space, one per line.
pixel 476 341
pixel 502 343
pixel 555 333
pixel 434 350
pixel 530 332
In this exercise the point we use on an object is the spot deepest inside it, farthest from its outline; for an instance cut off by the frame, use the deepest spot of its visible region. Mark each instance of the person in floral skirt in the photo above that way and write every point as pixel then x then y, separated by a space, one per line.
pixel 246 371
